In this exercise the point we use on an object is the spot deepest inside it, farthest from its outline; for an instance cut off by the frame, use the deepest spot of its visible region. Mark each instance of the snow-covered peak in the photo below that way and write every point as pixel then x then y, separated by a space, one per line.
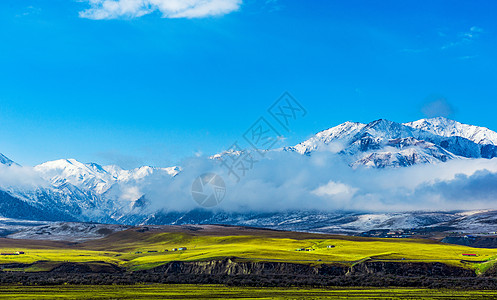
pixel 325 137
pixel 449 128
pixel 88 176
pixel 5 160
pixel 173 171
pixel 340 137
pixel 339 131
pixel 114 170
pixel 386 129
pixel 94 177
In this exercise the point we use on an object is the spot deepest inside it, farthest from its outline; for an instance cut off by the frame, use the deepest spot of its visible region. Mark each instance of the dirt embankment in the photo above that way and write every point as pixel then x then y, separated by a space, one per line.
pixel 235 272
pixel 410 269
pixel 235 267
pixel 231 266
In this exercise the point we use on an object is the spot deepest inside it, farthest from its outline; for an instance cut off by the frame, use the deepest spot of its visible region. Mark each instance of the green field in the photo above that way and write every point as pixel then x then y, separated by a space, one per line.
pixel 223 292
pixel 252 245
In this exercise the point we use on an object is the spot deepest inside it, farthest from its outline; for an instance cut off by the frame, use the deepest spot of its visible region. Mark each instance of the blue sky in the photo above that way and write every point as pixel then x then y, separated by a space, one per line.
pixel 100 81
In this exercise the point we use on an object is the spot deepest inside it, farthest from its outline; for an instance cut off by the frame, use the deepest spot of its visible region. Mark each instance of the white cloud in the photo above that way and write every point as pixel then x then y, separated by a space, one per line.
pixel 112 9
pixel 131 193
pixel 464 38
pixel 336 192
pixel 18 177
pixel 476 29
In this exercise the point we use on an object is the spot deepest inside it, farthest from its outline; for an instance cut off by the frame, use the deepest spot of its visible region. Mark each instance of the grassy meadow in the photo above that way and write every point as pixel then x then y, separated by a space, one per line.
pixel 130 248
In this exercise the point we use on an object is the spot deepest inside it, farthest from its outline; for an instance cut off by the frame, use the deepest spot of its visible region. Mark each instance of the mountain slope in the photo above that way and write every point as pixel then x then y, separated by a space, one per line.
pixel 448 128
pixel 12 207
pixel 461 139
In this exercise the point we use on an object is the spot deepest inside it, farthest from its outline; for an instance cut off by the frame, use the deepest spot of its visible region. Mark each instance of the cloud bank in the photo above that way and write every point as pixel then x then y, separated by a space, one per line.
pixel 113 9
pixel 289 181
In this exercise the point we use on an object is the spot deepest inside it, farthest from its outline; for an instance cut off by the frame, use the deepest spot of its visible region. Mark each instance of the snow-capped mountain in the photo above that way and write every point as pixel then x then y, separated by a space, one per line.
pixel 117 191
pixel 68 190
pixel 87 176
pixel 93 177
pixel 384 143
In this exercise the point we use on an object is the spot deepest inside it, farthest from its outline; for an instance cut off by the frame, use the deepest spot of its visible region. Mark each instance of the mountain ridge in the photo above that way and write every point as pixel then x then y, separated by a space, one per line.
pixel 409 143
pixel 92 192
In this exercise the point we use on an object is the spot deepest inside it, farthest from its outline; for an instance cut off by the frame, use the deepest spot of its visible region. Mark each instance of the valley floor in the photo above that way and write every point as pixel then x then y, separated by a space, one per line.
pixel 239 256
pixel 149 247
pixel 224 292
